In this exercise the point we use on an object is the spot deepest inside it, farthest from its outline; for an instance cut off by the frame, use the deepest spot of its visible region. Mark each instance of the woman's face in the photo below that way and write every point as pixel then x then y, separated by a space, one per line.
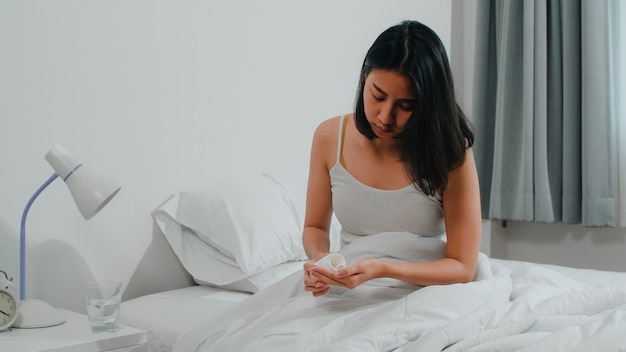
pixel 389 99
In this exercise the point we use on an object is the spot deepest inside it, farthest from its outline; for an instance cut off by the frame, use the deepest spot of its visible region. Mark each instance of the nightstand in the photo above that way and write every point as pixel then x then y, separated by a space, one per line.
pixel 73 336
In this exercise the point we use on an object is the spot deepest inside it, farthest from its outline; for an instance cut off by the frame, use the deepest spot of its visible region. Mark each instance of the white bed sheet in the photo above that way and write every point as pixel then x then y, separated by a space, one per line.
pixel 169 315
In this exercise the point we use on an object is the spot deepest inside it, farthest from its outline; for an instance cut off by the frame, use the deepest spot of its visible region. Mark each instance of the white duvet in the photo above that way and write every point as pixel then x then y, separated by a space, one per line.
pixel 530 309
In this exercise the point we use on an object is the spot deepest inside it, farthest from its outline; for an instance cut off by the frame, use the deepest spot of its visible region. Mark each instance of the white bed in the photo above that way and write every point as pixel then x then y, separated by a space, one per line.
pixel 226 238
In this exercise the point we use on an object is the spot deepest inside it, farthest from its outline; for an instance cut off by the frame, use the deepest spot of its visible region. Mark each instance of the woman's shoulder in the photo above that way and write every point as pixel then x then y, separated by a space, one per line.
pixel 324 146
pixel 327 130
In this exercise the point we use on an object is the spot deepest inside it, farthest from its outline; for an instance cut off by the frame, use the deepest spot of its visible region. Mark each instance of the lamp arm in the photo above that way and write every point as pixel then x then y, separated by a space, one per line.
pixel 23 236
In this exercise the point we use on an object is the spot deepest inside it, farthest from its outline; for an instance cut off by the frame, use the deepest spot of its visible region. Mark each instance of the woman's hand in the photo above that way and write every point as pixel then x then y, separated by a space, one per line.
pixel 312 282
pixel 349 277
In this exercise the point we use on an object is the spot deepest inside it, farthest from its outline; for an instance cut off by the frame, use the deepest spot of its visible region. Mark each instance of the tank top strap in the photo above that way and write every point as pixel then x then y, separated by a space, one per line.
pixel 343 121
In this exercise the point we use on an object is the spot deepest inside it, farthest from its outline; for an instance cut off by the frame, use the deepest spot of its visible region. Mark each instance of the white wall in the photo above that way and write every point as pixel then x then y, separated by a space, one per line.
pixel 162 95
pixel 570 245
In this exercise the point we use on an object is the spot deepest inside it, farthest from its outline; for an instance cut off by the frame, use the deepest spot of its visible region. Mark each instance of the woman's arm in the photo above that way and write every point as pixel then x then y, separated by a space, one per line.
pixel 461 207
pixel 315 236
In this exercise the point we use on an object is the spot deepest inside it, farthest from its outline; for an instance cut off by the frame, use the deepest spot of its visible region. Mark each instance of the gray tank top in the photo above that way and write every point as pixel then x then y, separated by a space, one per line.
pixel 363 210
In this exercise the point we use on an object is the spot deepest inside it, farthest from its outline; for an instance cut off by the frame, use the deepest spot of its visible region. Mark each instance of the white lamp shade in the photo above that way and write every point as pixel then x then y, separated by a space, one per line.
pixel 61 161
pixel 90 190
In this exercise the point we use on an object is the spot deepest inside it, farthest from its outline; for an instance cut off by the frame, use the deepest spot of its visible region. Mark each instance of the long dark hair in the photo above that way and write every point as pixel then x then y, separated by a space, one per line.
pixel 438 133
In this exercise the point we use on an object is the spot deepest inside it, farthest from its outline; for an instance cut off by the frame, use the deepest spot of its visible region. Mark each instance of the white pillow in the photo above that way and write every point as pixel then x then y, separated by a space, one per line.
pixel 232 229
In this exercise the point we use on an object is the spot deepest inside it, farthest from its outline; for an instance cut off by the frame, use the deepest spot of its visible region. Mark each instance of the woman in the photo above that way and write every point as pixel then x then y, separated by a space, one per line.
pixel 401 162
pixel 399 175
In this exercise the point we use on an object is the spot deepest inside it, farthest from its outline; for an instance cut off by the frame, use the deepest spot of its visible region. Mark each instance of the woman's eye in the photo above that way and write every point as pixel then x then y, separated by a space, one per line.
pixel 378 98
pixel 407 107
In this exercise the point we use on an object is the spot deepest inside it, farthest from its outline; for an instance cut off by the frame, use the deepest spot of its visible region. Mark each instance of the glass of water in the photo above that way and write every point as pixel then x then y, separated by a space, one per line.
pixel 103 305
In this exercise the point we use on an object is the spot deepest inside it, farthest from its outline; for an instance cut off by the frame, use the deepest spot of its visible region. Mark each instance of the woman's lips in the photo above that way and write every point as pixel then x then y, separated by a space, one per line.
pixel 383 130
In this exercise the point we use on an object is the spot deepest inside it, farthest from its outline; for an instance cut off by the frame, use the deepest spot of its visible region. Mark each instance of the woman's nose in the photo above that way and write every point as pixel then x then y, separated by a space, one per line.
pixel 386 115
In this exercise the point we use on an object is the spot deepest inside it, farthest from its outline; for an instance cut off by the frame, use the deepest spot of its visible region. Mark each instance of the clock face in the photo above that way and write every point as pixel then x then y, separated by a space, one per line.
pixel 8 309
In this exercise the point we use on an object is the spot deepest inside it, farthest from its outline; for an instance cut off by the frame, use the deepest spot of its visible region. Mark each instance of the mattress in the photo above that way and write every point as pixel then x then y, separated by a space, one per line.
pixel 168 315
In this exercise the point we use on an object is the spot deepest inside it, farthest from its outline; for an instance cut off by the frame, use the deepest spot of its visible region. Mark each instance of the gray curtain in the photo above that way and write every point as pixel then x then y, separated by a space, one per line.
pixel 543 111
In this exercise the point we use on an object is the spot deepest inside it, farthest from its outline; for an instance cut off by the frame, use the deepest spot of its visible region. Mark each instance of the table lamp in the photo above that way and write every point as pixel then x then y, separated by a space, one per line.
pixel 91 192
